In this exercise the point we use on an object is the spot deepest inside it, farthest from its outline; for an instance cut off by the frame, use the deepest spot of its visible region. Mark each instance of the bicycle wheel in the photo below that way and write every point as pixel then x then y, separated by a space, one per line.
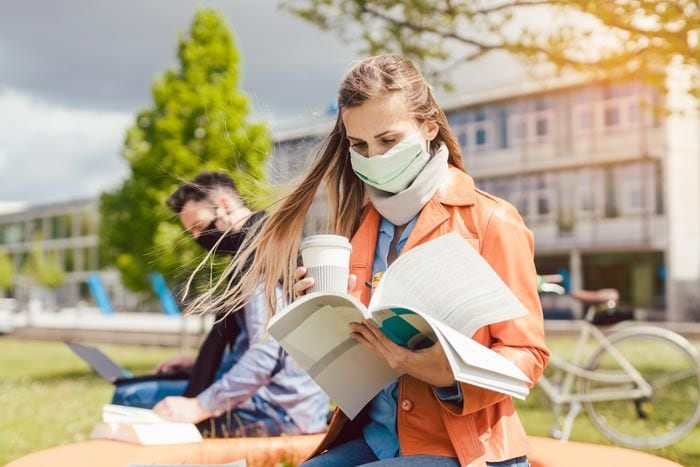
pixel 670 365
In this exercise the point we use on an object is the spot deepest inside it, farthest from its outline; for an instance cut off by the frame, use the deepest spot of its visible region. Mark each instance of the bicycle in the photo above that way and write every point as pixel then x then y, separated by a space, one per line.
pixel 640 386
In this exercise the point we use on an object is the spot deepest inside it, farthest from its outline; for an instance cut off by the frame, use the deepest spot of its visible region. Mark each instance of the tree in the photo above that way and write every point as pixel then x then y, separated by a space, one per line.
pixel 44 268
pixel 7 272
pixel 612 39
pixel 198 121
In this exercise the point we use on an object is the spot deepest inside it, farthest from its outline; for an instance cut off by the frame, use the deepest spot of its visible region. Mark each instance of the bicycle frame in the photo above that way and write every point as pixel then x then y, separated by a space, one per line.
pixel 564 393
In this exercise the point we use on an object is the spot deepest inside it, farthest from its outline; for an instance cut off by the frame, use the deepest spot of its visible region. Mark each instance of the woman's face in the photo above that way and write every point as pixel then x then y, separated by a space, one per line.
pixel 378 124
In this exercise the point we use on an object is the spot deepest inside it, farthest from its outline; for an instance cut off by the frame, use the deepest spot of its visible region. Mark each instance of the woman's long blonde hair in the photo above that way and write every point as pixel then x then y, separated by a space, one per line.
pixel 269 254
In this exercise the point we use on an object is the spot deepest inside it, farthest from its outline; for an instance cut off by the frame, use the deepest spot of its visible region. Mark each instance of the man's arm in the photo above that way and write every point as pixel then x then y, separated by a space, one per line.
pixel 252 371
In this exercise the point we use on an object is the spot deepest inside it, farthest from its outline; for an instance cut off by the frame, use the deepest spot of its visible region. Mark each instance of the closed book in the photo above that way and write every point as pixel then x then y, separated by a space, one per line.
pixel 141 426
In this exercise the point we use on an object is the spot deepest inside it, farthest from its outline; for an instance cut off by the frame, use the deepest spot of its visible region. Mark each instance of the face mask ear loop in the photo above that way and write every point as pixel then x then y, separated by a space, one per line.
pixel 429 148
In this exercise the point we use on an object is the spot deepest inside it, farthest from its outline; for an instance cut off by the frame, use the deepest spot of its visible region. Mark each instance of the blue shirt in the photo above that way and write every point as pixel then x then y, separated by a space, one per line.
pixel 380 433
pixel 260 368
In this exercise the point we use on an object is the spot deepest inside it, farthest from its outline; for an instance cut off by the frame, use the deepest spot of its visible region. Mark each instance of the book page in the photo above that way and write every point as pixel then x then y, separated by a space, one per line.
pixel 315 331
pixel 475 364
pixel 448 280
pixel 112 413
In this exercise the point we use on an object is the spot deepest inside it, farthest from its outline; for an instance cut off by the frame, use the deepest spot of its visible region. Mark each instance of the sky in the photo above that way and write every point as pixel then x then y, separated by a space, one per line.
pixel 73 73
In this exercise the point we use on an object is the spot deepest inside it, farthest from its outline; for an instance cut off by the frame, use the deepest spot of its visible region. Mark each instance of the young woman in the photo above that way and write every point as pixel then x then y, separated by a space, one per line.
pixel 395 178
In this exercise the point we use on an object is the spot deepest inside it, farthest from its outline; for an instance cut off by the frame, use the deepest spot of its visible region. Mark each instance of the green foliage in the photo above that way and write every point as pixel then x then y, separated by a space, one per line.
pixel 44 268
pixel 7 271
pixel 612 39
pixel 197 122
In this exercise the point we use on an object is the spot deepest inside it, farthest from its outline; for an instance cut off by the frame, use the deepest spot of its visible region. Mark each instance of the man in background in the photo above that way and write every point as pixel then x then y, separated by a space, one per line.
pixel 241 383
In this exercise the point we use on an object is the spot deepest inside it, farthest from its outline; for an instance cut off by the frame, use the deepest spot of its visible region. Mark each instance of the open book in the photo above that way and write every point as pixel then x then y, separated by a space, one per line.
pixel 441 290
pixel 142 426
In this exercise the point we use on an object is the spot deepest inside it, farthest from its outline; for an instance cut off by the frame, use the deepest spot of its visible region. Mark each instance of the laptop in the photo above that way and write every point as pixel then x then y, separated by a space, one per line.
pixel 111 371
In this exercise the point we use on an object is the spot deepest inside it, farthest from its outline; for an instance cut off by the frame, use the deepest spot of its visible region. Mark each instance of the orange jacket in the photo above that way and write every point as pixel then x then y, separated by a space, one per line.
pixel 485 427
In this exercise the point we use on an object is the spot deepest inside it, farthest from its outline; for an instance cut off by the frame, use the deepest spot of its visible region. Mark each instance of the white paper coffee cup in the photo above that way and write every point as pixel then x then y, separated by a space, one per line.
pixel 327 259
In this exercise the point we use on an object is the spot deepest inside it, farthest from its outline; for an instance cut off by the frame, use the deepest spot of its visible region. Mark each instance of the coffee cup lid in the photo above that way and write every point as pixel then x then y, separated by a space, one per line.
pixel 325 240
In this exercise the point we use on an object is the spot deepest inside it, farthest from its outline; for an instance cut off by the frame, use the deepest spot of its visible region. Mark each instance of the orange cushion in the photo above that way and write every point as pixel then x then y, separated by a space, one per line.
pixel 547 452
pixel 103 453
pixel 268 451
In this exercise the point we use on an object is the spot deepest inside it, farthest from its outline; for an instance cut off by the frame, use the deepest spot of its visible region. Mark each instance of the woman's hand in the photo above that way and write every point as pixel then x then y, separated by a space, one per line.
pixel 429 365
pixel 303 283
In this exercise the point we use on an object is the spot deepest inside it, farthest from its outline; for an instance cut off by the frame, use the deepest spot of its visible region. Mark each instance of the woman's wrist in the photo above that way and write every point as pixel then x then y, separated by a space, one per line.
pixel 427 366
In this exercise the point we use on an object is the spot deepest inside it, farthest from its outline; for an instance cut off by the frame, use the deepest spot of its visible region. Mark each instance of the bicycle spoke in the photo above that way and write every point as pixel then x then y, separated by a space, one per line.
pixel 671 370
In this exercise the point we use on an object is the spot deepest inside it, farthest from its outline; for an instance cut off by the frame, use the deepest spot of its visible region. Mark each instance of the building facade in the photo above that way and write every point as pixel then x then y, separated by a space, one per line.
pixel 68 234
pixel 589 167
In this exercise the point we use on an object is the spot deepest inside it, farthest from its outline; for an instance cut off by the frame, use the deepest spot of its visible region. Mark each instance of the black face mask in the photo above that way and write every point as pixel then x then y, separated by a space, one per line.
pixel 229 245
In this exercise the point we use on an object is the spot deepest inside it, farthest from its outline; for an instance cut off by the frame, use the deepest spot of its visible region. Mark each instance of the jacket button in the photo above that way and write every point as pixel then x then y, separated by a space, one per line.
pixel 406 405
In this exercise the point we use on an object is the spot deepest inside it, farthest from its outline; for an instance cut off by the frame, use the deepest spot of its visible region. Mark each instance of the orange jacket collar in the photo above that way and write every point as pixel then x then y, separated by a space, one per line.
pixel 457 189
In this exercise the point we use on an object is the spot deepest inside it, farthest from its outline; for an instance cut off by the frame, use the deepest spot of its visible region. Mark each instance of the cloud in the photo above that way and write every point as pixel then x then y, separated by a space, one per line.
pixel 73 73
pixel 104 55
pixel 51 153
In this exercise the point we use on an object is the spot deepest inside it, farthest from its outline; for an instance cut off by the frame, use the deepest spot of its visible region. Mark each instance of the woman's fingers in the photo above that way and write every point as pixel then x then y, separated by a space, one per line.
pixel 301 283
pixel 299 273
pixel 359 332
pixel 300 287
pixel 380 337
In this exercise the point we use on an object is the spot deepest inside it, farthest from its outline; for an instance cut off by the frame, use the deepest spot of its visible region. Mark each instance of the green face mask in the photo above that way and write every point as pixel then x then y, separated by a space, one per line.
pixel 395 170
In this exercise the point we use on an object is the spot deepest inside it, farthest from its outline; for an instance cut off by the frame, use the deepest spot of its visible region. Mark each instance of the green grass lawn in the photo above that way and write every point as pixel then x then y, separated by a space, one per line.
pixel 48 397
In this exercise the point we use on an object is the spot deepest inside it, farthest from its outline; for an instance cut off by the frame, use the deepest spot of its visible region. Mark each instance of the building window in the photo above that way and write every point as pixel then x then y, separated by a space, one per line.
pixel 12 233
pixel 612 116
pixel 60 226
pixel 530 121
pixel 658 189
pixel 501 187
pixel 545 196
pixel 479 134
pixel 584 117
pixel 638 187
pixel 91 259
pixel 520 201
pixel 611 209
pixel 609 108
pixel 541 128
pixel 542 104
pixel 586 192
pixel 534 197
pixel 462 139
pixel 590 192
pixel 69 258
pixel 88 222
pixel 34 230
pixel 517 124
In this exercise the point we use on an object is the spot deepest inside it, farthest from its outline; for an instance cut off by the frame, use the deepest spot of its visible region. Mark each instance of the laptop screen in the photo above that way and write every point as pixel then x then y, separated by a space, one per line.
pixel 98 361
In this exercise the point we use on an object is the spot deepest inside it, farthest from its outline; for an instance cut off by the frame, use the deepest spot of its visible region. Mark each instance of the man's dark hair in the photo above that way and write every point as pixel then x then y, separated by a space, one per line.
pixel 199 189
